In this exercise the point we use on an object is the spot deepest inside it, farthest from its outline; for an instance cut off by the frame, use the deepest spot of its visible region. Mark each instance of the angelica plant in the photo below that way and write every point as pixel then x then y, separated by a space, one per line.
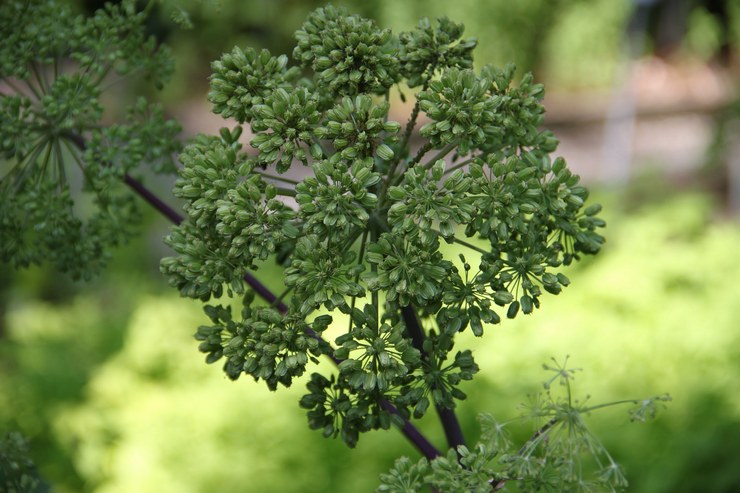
pixel 361 236
pixel 55 67
pixel 361 212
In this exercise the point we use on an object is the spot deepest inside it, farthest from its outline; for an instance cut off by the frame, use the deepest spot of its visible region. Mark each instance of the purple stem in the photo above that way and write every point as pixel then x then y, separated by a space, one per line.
pixel 413 434
pixel 448 418
pixel 152 199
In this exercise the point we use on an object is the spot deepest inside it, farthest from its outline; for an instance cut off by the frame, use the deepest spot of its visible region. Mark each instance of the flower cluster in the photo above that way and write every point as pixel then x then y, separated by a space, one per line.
pixel 518 113
pixel 439 379
pixel 16 115
pixel 376 360
pixel 144 137
pixel 113 39
pixel 349 54
pixel 438 47
pixel 376 357
pixel 337 198
pixel 263 343
pixel 461 469
pixel 246 78
pixel 461 110
pixel 17 470
pixel 234 218
pixel 284 126
pixel 336 411
pixel 423 203
pixel 469 300
pixel 72 103
pixel 407 271
pixel 322 274
pixel 361 233
pixel 355 127
pixel 51 213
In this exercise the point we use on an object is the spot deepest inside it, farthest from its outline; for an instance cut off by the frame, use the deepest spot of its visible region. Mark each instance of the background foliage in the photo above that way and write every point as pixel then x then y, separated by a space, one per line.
pixel 577 43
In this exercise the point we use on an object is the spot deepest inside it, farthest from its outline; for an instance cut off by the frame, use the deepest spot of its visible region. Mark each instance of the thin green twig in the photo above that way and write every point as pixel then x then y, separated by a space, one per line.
pixel 441 154
pixel 277 178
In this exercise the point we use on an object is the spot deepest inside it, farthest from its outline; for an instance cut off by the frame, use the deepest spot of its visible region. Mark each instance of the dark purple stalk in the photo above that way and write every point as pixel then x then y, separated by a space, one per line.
pixel 412 433
pixel 448 418
pixel 152 199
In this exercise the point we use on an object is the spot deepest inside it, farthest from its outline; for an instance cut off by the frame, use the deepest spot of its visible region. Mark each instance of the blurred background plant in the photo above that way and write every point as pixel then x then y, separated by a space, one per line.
pixel 654 312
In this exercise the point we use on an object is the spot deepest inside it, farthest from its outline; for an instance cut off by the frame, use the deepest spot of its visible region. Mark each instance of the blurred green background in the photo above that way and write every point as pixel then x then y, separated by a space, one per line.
pixel 105 380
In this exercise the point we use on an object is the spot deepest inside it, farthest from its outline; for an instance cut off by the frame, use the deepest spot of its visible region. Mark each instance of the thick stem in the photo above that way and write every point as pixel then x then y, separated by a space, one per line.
pixel 448 418
pixel 152 199
pixel 451 425
pixel 413 434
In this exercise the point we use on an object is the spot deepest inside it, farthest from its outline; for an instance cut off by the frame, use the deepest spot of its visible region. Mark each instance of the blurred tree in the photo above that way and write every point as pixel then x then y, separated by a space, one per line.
pixel 669 22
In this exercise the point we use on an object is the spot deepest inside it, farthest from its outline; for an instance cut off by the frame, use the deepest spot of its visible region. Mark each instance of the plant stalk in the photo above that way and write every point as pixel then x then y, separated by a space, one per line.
pixel 448 418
